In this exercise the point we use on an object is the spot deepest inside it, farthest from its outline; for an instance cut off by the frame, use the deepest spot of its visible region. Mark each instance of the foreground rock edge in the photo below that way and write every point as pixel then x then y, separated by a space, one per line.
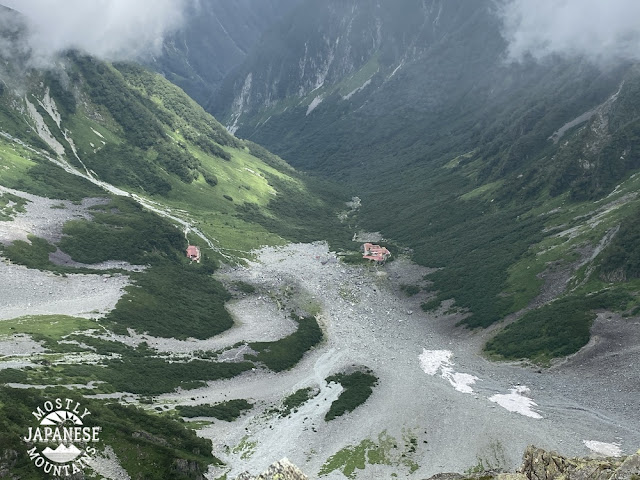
pixel 537 464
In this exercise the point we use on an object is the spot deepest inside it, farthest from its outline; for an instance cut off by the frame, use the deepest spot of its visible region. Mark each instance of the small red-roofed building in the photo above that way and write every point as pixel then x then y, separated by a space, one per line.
pixel 193 253
pixel 376 253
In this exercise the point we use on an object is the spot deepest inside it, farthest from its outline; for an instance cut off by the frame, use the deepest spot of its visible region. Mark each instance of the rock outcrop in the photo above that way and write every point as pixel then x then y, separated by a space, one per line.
pixel 538 464
pixel 282 470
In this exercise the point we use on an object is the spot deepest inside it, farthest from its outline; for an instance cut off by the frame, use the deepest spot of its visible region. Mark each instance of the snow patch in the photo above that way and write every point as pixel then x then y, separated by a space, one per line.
pixel 517 402
pixel 432 361
pixel 396 69
pixel 49 105
pixel 460 381
pixel 314 104
pixel 42 130
pixel 96 132
pixel 239 104
pixel 606 449
pixel 360 88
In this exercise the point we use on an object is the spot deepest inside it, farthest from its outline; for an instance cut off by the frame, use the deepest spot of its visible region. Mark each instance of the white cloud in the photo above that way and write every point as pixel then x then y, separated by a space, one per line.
pixel 109 29
pixel 602 31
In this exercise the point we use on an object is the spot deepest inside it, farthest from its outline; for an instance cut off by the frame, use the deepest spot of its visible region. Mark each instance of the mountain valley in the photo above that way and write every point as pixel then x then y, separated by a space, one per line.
pixel 506 191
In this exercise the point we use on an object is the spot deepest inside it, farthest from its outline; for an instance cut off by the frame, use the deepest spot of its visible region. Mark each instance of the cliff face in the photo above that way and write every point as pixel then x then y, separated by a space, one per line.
pixel 344 53
pixel 216 38
pixel 537 464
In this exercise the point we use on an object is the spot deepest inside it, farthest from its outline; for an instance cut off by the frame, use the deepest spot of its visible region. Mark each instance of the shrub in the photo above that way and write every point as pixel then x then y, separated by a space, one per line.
pixel 296 400
pixel 554 330
pixel 430 305
pixel 410 290
pixel 210 178
pixel 227 411
pixel 287 352
pixel 357 389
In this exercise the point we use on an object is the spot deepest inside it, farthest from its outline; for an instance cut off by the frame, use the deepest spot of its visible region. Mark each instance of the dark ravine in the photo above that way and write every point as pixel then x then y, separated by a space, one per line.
pixel 217 37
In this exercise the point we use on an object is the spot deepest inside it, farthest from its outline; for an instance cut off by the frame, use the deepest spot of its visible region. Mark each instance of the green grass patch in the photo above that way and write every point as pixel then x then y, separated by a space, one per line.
pixel 47 328
pixel 383 451
pixel 456 161
pixel 358 387
pixel 353 458
pixel 29 173
pixel 484 191
pixel 227 411
pixel 358 79
pixel 245 448
pixel 285 353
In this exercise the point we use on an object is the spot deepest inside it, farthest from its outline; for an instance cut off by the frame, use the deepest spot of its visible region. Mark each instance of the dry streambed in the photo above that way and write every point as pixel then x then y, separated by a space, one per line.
pixel 434 387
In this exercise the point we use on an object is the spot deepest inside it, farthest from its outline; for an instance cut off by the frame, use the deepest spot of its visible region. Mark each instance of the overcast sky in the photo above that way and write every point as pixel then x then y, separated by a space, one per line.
pixel 110 29
pixel 601 30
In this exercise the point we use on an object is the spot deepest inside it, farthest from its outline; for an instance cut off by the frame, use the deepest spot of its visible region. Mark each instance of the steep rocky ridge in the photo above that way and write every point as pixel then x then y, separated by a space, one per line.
pixel 216 38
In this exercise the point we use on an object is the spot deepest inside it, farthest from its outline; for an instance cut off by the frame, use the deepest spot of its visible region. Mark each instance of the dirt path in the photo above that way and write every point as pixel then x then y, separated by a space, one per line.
pixel 460 407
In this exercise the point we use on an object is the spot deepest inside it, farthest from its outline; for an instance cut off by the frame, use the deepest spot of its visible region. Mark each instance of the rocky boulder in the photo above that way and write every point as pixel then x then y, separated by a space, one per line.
pixel 282 470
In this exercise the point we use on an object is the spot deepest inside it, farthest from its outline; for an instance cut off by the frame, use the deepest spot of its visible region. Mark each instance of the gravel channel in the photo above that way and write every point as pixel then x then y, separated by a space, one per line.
pixel 434 385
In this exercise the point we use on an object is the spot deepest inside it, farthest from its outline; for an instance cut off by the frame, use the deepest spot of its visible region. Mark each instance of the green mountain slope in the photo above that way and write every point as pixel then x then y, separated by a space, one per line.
pixel 130 170
pixel 128 127
pixel 476 164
